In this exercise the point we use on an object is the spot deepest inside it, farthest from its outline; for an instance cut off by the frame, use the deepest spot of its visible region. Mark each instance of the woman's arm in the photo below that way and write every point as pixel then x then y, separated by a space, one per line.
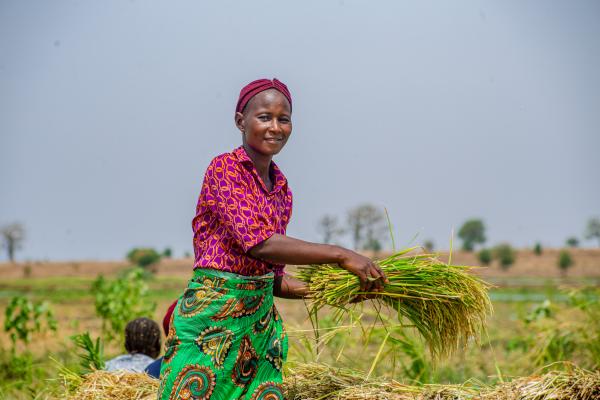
pixel 280 249
pixel 288 287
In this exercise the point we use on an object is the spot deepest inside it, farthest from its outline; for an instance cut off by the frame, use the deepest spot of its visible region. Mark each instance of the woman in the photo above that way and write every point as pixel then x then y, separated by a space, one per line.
pixel 226 339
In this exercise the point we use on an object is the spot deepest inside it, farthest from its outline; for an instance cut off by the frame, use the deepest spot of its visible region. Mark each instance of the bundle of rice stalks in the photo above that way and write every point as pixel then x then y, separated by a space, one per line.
pixel 445 303
pixel 102 385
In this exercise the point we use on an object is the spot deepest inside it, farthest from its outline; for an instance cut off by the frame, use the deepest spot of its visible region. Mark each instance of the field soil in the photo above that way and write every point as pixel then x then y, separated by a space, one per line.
pixel 527 264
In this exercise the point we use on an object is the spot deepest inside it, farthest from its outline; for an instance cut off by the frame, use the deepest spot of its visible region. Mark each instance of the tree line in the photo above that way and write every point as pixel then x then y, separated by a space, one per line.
pixel 366 225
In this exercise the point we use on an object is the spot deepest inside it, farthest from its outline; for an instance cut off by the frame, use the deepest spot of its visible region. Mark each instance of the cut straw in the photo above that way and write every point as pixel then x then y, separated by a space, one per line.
pixel 321 382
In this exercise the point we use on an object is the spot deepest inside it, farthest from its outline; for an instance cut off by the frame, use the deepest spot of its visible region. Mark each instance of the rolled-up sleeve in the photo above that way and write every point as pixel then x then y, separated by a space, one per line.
pixel 230 198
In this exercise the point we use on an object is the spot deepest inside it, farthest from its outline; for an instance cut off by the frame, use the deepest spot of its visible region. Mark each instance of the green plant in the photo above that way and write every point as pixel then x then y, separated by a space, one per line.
pixel 417 369
pixel 119 301
pixel 539 312
pixel 143 257
pixel 167 253
pixel 485 256
pixel 93 352
pixel 572 241
pixel 565 261
pixel 537 249
pixel 472 232
pixel 505 254
pixel 24 317
pixel 16 368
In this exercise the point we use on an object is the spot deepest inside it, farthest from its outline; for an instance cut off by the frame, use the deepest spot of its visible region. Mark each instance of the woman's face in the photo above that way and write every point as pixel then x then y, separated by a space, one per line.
pixel 266 123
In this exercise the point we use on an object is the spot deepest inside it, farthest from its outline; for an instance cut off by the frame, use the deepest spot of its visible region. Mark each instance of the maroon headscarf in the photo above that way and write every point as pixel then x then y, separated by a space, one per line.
pixel 260 85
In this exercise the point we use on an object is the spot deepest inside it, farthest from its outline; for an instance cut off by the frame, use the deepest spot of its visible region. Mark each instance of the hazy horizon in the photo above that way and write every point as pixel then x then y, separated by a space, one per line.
pixel 440 112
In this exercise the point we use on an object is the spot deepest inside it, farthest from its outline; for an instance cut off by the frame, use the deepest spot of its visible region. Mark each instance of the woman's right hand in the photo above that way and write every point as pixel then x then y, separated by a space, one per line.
pixel 370 274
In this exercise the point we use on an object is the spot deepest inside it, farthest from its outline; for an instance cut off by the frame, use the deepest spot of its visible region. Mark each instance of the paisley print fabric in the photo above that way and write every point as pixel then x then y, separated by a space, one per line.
pixel 275 350
pixel 194 382
pixel 215 342
pixel 235 212
pixel 268 391
pixel 233 348
pixel 237 308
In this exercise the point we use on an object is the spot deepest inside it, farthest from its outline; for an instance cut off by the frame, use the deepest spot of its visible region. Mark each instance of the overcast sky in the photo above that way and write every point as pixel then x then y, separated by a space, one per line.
pixel 440 111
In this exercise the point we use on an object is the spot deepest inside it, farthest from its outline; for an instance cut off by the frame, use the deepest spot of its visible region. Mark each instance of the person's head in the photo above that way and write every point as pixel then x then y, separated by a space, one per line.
pixel 264 116
pixel 142 335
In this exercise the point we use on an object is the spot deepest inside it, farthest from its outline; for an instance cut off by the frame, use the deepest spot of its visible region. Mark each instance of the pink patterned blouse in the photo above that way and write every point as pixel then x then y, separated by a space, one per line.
pixel 235 212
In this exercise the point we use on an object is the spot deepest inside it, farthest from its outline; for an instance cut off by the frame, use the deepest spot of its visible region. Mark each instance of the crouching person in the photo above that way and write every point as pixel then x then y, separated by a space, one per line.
pixel 142 342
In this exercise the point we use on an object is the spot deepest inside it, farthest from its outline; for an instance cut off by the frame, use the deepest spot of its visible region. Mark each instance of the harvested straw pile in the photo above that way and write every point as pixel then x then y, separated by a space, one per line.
pixel 576 384
pixel 317 381
pixel 445 303
pixel 102 385
pixel 321 382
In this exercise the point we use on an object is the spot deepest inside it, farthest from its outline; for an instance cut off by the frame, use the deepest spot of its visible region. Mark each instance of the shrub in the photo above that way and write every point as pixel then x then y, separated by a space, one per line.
pixel 565 261
pixel 168 253
pixel 537 249
pixel 572 241
pixel 144 257
pixel 119 301
pixel 485 256
pixel 24 317
pixel 505 254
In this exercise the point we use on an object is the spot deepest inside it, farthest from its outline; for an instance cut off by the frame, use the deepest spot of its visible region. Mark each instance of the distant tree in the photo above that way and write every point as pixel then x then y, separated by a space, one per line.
pixel 565 261
pixel 187 254
pixel 472 232
pixel 485 256
pixel 144 257
pixel 329 227
pixel 366 224
pixel 167 253
pixel 505 254
pixel 13 236
pixel 429 245
pixel 537 249
pixel 593 229
pixel 373 245
pixel 572 241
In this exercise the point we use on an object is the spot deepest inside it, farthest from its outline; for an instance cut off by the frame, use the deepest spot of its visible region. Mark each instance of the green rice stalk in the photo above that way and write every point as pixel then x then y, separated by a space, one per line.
pixel 445 303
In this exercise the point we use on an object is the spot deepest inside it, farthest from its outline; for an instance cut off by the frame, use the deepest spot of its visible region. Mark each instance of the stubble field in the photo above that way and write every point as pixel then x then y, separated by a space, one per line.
pixel 538 320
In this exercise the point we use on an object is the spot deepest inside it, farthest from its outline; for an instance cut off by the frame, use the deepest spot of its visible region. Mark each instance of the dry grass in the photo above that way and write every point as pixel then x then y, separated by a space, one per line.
pixel 101 385
pixel 321 382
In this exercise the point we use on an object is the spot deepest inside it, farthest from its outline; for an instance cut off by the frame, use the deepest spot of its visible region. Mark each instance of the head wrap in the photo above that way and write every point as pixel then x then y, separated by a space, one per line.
pixel 260 85
pixel 167 318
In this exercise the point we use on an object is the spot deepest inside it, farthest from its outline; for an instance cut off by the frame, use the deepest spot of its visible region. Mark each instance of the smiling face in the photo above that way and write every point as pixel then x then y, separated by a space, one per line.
pixel 266 122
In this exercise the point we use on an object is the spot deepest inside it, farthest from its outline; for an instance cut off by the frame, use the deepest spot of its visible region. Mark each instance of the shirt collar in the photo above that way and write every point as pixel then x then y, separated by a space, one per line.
pixel 280 179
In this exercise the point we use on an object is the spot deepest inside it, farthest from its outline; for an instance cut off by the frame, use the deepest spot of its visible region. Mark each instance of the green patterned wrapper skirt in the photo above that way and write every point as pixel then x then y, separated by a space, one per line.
pixel 226 340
